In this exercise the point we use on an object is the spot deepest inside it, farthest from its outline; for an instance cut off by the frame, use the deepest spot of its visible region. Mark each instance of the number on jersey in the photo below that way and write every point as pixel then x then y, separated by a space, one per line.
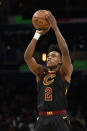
pixel 48 94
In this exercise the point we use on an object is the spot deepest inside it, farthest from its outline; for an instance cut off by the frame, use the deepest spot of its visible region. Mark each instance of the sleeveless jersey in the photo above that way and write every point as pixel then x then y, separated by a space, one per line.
pixel 52 91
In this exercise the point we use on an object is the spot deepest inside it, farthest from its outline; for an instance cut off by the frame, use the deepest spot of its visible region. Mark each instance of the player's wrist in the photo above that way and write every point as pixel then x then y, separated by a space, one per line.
pixel 37 35
pixel 55 27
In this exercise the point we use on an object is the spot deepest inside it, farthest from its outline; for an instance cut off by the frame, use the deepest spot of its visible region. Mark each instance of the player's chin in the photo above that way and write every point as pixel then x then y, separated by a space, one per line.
pixel 49 65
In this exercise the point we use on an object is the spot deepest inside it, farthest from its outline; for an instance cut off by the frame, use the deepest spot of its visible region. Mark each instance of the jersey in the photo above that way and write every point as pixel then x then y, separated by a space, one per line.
pixel 52 91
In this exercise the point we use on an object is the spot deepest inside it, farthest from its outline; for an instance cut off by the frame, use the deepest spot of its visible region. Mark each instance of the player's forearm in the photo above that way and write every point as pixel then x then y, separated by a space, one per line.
pixel 30 50
pixel 61 41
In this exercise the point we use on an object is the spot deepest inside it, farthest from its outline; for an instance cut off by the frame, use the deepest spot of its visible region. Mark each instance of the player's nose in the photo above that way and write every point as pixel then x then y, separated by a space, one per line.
pixel 49 58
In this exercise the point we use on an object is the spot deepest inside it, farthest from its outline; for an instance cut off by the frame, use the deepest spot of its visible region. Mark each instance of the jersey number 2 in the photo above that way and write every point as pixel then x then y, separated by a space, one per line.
pixel 48 94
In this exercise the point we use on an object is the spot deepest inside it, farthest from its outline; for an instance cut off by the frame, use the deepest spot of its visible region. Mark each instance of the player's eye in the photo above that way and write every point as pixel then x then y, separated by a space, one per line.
pixel 48 56
pixel 53 56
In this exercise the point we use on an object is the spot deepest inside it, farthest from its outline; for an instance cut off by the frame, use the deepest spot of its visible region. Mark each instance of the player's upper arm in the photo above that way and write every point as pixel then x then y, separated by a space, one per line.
pixel 36 68
pixel 66 63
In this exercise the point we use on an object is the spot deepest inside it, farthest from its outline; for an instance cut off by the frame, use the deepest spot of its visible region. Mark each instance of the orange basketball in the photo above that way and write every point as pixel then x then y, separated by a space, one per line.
pixel 39 20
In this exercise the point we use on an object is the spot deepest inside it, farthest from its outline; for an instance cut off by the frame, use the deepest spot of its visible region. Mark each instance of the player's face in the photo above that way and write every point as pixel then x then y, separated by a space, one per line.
pixel 53 59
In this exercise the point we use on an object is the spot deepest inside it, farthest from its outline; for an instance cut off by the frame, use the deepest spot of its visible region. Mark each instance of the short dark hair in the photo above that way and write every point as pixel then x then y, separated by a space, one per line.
pixel 54 47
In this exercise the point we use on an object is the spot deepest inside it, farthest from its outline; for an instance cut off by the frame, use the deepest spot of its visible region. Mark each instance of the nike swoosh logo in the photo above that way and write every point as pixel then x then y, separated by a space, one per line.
pixel 64 117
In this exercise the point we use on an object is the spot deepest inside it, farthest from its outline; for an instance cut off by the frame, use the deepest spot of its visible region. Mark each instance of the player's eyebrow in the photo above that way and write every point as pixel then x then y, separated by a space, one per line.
pixel 52 55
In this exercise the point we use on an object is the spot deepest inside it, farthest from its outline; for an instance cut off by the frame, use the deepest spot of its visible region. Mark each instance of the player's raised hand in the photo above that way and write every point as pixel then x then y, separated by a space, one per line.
pixel 51 19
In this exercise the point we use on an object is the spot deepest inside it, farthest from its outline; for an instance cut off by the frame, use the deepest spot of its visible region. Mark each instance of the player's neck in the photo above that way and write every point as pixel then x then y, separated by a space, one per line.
pixel 54 68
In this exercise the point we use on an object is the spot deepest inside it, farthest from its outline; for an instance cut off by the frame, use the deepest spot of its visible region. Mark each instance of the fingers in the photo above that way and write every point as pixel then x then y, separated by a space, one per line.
pixel 51 19
pixel 49 16
pixel 49 12
pixel 39 31
pixel 42 32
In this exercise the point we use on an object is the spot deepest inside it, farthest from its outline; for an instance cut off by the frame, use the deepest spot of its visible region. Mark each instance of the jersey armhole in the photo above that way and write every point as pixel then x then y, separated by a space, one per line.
pixel 39 77
pixel 62 77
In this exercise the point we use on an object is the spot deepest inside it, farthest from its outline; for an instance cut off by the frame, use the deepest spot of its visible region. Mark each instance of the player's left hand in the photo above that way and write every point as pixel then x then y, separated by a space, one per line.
pixel 51 20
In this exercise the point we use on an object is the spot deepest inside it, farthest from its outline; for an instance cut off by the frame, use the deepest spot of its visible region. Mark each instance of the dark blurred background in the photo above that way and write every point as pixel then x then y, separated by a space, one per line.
pixel 18 89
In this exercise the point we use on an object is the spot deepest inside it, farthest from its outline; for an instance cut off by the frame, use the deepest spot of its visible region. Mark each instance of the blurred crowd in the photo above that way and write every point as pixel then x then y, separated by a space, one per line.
pixel 78 123
pixel 17 108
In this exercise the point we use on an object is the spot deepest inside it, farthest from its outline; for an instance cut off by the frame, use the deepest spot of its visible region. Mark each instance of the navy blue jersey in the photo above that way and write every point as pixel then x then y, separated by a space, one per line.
pixel 52 91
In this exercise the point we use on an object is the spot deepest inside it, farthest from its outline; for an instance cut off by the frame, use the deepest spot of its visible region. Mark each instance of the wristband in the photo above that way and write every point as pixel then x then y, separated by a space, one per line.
pixel 37 36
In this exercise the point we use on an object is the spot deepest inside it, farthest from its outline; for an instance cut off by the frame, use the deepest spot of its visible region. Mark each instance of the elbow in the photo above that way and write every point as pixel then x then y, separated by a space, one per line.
pixel 65 49
pixel 25 56
pixel 65 52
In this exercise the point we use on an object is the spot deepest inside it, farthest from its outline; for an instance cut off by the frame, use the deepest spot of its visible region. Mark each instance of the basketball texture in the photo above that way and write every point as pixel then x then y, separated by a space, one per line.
pixel 39 20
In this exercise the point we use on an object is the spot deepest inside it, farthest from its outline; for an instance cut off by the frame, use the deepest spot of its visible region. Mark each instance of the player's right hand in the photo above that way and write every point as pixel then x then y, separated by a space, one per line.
pixel 42 32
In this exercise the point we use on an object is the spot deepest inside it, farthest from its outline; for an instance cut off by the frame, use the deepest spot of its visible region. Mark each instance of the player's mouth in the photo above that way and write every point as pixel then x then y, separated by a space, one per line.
pixel 49 62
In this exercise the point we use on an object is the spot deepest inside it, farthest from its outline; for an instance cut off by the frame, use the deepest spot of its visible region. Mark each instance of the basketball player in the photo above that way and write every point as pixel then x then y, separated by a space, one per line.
pixel 53 81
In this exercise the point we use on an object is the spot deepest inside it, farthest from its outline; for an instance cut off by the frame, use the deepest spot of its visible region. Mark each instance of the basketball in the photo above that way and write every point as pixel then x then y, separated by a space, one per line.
pixel 39 20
